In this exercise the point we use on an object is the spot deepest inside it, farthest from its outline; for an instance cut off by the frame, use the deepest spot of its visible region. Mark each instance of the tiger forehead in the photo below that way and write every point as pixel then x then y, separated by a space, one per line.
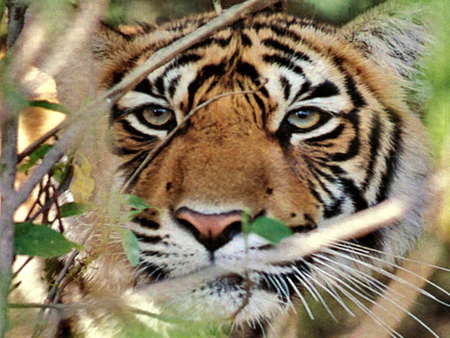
pixel 248 56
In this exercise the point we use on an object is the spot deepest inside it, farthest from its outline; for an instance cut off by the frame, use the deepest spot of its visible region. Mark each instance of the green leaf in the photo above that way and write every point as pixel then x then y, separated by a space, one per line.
pixel 36 155
pixel 51 106
pixel 40 240
pixel 271 229
pixel 73 209
pixel 130 245
pixel 136 202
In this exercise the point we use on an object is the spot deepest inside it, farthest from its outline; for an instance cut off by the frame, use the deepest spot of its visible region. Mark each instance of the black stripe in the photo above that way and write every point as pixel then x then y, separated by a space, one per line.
pixel 352 191
pixel 273 44
pixel 246 41
pixel 356 97
pixel 206 72
pixel 221 42
pixel 149 239
pixel 172 86
pixel 248 70
pixel 350 188
pixel 325 89
pixel 313 191
pixel 146 223
pixel 280 31
pixel 374 142
pixel 115 114
pixel 392 159
pixel 305 88
pixel 179 62
pixel 333 210
pixel 328 136
pixel 144 87
pixel 282 61
pixel 122 151
pixel 286 87
pixel 353 148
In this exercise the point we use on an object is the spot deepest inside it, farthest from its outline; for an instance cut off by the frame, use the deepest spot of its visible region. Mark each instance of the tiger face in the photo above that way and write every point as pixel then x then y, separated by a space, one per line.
pixel 274 116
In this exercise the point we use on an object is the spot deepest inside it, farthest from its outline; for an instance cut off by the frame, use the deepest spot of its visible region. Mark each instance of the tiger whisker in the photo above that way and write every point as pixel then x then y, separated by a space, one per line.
pixel 395 277
pixel 300 296
pixel 311 279
pixel 361 276
pixel 358 247
pixel 305 285
pixel 357 283
pixel 330 290
pixel 409 313
pixel 357 302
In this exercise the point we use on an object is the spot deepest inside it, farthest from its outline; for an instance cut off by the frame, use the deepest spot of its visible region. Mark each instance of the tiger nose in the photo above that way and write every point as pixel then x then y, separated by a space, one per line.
pixel 211 230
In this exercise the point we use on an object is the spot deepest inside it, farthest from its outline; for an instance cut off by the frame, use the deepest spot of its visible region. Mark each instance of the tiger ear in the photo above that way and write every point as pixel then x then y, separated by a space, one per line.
pixel 391 37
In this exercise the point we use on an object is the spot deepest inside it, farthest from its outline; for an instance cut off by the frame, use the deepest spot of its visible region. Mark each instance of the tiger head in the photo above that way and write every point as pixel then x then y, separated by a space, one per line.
pixel 273 116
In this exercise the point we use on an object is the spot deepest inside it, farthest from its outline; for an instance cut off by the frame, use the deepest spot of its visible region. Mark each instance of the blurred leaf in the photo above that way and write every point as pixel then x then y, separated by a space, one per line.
pixel 271 229
pixel 51 106
pixel 13 98
pixel 73 209
pixel 130 245
pixel 40 240
pixel 36 155
pixel 60 171
pixel 83 184
pixel 136 202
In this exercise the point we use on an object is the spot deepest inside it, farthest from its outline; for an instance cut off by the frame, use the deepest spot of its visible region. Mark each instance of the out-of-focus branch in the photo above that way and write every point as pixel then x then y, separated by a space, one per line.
pixel 8 162
pixel 16 19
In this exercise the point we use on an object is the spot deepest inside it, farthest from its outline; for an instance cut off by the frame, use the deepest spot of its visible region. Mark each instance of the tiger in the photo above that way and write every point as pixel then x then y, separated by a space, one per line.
pixel 289 119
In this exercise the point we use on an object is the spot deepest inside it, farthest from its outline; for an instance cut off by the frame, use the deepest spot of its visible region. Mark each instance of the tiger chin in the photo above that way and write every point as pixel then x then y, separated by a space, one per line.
pixel 318 122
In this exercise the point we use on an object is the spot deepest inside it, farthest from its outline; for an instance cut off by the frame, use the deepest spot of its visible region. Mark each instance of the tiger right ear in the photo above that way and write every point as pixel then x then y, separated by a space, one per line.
pixel 391 37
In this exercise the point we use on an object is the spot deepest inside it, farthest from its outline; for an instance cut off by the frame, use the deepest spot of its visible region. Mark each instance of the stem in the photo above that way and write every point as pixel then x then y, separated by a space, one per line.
pixel 8 174
pixel 16 19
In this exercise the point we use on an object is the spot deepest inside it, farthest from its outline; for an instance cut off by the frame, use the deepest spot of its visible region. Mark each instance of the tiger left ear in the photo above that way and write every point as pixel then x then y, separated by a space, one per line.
pixel 391 37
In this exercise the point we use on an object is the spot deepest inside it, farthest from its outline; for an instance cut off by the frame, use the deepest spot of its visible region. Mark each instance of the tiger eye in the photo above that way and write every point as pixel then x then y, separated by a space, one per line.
pixel 304 119
pixel 157 116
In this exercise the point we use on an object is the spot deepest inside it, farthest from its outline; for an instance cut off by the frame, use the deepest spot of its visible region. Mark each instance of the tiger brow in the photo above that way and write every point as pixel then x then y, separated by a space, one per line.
pixel 322 90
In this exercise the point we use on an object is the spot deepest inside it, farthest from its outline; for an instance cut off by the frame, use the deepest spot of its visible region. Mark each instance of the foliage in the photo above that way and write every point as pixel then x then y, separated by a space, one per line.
pixel 272 229
pixel 40 240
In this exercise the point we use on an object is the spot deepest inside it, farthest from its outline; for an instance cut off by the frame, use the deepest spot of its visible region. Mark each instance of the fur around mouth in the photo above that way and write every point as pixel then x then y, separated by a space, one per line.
pixel 229 282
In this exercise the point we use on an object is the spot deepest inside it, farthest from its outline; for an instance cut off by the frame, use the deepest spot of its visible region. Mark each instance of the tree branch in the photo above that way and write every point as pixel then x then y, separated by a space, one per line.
pixel 16 19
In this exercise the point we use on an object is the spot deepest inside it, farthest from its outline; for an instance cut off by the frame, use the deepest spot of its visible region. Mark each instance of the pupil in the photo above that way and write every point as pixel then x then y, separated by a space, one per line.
pixel 158 112
pixel 302 115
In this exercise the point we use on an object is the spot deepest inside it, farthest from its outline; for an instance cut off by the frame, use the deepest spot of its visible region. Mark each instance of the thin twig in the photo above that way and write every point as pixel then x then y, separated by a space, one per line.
pixel 217 6
pixel 36 144
pixel 41 322
pixel 151 155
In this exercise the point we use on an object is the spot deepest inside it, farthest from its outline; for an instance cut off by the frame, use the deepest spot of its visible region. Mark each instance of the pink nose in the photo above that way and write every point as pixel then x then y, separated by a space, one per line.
pixel 209 225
